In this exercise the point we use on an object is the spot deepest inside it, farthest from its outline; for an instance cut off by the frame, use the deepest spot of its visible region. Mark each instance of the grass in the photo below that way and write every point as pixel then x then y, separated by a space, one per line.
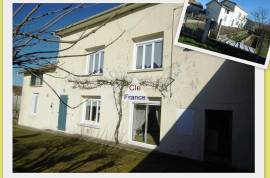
pixel 239 37
pixel 38 151
pixel 193 42
pixel 265 48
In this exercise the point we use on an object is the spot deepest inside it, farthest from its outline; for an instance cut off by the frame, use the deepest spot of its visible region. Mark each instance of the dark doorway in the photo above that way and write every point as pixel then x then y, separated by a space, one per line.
pixel 218 136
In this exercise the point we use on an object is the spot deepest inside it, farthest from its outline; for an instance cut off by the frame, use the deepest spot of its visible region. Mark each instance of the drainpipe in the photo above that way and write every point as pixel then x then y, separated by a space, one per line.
pixel 172 49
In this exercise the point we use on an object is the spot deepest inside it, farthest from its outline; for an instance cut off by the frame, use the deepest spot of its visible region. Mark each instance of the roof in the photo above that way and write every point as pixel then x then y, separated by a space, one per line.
pixel 197 4
pixel 220 4
pixel 100 17
pixel 43 68
pixel 229 1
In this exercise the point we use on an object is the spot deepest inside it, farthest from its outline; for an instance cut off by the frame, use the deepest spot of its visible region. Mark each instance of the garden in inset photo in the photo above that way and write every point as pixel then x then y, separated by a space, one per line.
pixel 238 28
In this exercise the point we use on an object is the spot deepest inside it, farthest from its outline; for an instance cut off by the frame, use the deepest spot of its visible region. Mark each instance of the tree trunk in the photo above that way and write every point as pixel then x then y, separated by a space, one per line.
pixel 119 111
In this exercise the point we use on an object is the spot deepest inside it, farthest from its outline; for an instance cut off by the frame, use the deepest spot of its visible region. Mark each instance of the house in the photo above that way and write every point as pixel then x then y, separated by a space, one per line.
pixel 207 114
pixel 16 101
pixel 228 13
pixel 194 8
pixel 250 25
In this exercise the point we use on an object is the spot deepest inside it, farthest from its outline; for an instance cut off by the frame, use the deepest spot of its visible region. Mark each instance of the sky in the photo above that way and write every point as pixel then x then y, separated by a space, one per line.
pixel 80 14
pixel 247 5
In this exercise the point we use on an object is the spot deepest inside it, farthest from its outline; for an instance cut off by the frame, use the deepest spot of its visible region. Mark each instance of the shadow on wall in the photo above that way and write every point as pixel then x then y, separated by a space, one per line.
pixel 221 134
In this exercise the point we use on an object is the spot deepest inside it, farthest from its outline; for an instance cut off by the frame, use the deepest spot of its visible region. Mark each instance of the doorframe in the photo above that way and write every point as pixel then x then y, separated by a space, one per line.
pixel 236 113
pixel 131 118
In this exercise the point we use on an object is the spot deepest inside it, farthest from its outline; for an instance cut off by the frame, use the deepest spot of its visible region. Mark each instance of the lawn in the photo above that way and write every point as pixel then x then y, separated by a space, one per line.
pixel 239 36
pixel 265 48
pixel 36 151
pixel 196 43
pixel 39 151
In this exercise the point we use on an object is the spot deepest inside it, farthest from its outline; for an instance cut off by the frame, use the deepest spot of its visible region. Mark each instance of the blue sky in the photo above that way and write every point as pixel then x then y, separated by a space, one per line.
pixel 247 5
pixel 71 18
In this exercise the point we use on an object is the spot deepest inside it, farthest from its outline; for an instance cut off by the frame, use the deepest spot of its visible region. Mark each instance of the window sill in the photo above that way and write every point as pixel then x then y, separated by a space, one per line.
pixel 35 85
pixel 95 75
pixel 145 70
pixel 90 125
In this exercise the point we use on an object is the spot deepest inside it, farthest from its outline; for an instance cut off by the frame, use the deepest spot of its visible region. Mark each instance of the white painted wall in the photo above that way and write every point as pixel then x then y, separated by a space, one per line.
pixel 236 18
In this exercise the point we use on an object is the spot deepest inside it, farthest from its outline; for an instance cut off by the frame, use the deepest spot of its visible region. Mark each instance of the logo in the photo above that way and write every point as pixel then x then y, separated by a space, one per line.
pixel 134 92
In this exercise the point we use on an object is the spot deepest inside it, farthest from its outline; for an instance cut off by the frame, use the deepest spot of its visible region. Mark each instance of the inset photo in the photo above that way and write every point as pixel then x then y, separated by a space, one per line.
pixel 238 30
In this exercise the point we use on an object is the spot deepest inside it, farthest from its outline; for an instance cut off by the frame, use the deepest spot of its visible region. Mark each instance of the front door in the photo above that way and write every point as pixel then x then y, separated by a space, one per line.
pixel 62 114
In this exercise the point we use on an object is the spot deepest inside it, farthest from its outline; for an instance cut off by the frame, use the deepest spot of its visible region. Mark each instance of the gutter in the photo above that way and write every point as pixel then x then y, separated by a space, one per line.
pixel 94 20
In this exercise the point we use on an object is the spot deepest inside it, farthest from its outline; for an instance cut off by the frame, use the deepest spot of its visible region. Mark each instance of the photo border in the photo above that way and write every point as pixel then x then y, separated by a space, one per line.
pixel 7 115
pixel 206 51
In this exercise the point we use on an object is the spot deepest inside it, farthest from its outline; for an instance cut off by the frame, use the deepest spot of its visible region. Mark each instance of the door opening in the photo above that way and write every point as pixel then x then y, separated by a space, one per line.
pixel 218 136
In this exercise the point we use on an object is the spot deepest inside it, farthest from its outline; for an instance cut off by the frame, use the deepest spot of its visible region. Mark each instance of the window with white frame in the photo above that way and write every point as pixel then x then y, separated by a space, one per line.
pixel 149 54
pixel 92 112
pixel 96 60
pixel 34 103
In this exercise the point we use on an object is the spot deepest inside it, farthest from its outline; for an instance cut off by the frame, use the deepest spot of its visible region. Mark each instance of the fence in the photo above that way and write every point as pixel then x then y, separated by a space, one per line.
pixel 193 26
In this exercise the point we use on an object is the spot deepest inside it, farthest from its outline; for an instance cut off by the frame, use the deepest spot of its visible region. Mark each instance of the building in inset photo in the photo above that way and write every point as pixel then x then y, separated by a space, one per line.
pixel 229 29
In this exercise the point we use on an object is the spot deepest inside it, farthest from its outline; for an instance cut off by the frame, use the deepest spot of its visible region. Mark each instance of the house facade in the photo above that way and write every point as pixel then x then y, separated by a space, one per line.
pixel 227 13
pixel 208 113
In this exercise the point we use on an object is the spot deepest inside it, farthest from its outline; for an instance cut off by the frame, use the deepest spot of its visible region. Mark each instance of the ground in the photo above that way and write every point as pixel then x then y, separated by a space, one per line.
pixel 47 151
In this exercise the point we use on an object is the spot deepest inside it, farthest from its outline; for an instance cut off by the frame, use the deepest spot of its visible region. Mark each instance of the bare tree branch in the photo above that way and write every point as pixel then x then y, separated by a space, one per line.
pixel 18 27
pixel 18 10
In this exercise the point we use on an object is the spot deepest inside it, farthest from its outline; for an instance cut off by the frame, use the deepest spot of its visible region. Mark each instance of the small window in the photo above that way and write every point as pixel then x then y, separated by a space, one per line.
pixel 96 62
pixel 34 103
pixel 149 54
pixel 36 79
pixel 92 112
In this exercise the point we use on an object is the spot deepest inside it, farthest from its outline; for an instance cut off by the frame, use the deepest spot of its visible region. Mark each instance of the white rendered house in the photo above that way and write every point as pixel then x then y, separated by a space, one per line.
pixel 228 13
pixel 209 116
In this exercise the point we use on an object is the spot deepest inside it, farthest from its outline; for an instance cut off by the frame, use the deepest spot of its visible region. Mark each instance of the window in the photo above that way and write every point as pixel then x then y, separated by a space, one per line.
pixel 96 62
pixel 92 112
pixel 34 103
pixel 239 15
pixel 36 79
pixel 146 123
pixel 149 54
pixel 225 18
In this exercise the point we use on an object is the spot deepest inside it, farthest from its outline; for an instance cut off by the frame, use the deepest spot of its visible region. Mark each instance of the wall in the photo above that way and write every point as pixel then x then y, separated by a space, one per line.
pixel 233 19
pixel 213 11
pixel 217 12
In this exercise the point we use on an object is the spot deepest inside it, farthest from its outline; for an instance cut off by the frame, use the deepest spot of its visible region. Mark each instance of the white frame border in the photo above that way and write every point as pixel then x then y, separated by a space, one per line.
pixel 7 110
pixel 220 55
